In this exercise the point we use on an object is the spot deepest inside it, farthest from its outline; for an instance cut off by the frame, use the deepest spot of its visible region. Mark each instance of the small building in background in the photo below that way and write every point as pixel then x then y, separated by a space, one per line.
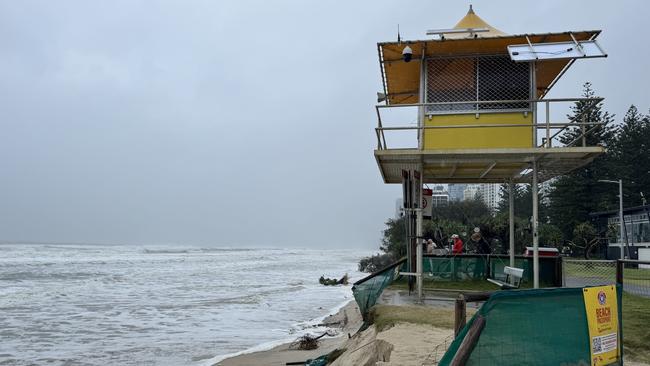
pixel 637 224
pixel 439 196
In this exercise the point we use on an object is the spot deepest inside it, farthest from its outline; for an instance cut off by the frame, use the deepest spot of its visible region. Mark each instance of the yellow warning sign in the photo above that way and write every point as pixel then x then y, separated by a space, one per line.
pixel 601 305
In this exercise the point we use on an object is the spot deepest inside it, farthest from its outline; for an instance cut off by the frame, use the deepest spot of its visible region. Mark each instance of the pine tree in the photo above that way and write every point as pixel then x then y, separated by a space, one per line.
pixel 573 196
pixel 523 202
pixel 630 154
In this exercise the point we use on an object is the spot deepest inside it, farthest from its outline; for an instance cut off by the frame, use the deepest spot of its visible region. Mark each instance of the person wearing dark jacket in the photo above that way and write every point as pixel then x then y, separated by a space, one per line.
pixel 482 246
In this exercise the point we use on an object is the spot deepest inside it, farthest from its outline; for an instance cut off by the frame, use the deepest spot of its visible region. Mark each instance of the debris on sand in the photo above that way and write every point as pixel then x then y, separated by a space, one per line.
pixel 333 281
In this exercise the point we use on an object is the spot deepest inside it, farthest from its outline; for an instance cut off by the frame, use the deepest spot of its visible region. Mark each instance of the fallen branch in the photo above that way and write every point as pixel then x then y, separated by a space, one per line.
pixel 333 281
pixel 308 341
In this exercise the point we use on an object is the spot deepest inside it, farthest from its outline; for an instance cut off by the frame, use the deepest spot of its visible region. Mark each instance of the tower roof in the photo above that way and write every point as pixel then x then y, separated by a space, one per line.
pixel 471 20
pixel 401 79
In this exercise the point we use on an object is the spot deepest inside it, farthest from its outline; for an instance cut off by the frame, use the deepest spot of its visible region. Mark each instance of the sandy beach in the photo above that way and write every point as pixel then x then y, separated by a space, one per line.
pixel 345 321
pixel 401 344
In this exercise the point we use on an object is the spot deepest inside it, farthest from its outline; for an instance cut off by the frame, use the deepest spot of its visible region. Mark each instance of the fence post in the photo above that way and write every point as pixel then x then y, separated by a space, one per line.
pixel 469 342
pixel 619 272
pixel 460 314
pixel 559 272
pixel 488 268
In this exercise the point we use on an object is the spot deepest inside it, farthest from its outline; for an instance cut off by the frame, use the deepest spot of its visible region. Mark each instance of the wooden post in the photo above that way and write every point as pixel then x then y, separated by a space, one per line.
pixel 468 343
pixel 460 315
pixel 477 296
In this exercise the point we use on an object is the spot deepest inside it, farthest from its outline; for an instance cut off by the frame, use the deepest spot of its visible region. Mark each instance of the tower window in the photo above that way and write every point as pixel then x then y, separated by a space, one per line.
pixel 452 81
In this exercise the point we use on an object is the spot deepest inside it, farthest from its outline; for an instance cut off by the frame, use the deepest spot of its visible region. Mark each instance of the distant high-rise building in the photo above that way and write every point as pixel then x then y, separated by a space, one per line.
pixel 491 195
pixel 456 192
pixel 470 191
pixel 399 208
pixel 440 197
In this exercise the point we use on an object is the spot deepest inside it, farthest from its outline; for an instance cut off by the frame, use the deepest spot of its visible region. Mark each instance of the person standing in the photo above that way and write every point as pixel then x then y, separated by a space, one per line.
pixel 458 244
pixel 431 246
pixel 481 245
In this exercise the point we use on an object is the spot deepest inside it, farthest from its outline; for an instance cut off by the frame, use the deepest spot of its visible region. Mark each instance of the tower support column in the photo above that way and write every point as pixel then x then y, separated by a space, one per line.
pixel 511 221
pixel 419 240
pixel 535 225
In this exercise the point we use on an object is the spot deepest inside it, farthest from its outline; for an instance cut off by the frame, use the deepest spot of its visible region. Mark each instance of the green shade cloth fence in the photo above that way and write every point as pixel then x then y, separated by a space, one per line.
pixel 530 327
pixel 477 267
pixel 367 290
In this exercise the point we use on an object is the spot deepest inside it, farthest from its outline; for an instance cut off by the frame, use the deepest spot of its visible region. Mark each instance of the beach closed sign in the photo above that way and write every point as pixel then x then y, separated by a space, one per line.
pixel 601 305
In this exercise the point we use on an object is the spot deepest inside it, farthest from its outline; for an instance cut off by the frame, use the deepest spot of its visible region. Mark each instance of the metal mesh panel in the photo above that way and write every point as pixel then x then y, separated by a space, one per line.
pixel 451 80
pixel 636 278
pixel 475 79
pixel 439 350
pixel 579 273
pixel 499 78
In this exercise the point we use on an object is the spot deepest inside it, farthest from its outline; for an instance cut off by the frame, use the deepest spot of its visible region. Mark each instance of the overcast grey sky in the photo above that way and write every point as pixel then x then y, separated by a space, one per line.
pixel 233 122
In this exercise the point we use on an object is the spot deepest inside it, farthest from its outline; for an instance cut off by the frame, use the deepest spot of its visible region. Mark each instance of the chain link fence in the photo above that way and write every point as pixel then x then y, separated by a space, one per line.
pixel 439 350
pixel 633 275
pixel 579 273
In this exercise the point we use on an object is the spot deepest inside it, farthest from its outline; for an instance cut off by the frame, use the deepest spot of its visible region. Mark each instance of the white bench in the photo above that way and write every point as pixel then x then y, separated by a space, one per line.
pixel 513 278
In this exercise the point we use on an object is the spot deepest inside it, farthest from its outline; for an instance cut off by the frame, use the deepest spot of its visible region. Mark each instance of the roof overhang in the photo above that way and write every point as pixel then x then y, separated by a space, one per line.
pixel 483 165
pixel 402 79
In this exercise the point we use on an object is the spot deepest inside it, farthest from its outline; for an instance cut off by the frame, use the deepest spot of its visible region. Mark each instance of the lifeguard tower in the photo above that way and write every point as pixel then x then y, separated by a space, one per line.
pixel 480 115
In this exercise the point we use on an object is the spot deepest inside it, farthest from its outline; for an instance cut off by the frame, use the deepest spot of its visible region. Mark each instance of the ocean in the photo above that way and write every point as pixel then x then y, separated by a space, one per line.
pixel 161 305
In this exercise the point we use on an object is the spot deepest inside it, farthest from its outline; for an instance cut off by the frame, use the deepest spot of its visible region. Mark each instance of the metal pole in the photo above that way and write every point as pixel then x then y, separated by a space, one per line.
pixel 419 239
pixel 511 221
pixel 535 228
pixel 548 125
pixel 533 95
pixel 621 217
pixel 584 131
pixel 423 88
pixel 620 266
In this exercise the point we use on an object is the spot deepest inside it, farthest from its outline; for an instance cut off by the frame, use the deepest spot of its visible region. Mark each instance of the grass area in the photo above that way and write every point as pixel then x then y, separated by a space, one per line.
pixel 590 269
pixel 636 327
pixel 385 316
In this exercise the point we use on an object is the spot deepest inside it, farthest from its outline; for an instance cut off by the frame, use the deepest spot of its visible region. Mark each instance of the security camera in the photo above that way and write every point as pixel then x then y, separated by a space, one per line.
pixel 407 54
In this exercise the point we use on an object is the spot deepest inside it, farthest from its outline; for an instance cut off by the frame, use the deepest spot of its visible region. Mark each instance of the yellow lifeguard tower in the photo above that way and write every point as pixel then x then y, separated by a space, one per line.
pixel 480 99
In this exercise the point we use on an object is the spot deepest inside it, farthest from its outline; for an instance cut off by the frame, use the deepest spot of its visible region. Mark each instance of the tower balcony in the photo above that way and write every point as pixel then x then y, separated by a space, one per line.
pixel 486 141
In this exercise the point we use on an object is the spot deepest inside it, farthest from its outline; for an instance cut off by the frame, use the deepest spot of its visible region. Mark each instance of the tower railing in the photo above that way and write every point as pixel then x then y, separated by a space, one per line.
pixel 551 129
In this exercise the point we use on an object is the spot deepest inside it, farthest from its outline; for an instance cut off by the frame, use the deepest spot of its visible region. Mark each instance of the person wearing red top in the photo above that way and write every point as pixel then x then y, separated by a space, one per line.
pixel 458 245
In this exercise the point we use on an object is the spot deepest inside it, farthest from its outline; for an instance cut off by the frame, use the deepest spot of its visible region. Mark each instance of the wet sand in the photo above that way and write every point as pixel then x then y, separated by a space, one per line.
pixel 346 321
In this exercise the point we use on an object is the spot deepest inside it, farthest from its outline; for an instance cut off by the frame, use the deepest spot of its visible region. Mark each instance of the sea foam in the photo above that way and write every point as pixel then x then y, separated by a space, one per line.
pixel 161 305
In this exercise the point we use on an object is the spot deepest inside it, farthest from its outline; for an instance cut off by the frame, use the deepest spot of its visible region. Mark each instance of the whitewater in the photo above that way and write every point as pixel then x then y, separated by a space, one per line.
pixel 160 305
